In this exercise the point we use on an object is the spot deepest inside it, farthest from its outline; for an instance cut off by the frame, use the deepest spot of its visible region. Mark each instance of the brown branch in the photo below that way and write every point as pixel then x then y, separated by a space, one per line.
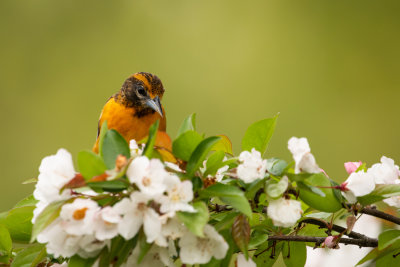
pixel 380 214
pixel 371 242
pixel 335 228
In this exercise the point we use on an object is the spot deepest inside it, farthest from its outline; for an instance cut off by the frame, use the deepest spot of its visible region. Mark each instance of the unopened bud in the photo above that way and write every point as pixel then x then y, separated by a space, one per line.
pixel 352 166
pixel 120 162
pixel 331 242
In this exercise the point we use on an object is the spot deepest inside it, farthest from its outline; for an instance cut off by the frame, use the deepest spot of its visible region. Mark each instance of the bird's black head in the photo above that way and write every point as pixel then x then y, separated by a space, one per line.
pixel 143 91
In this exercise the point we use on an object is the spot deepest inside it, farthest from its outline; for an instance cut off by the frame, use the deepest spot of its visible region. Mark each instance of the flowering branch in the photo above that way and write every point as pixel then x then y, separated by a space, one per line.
pixel 195 202
pixel 336 228
pixel 371 242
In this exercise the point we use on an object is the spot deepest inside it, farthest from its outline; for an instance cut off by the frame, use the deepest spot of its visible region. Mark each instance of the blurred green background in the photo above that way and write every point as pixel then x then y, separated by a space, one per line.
pixel 331 68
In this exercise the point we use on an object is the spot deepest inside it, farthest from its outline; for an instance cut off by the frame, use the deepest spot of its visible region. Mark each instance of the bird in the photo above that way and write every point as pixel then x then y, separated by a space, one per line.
pixel 134 108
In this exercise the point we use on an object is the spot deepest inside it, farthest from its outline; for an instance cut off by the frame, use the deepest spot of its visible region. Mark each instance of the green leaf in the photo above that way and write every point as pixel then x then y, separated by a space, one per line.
pixel 143 246
pixel 214 162
pixel 195 221
pixel 104 257
pixel 121 249
pixel 103 131
pixel 5 242
pixel 77 261
pixel 28 201
pixel 258 135
pixel 199 154
pixel 337 192
pixel 30 181
pixel 113 145
pixel 230 195
pixel 30 256
pixel 327 203
pixel 312 230
pixel 46 217
pixel 241 233
pixel 276 189
pixel 185 144
pixel 109 186
pixel 188 124
pixel 226 234
pixel 18 223
pixel 294 254
pixel 252 188
pixel 276 166
pixel 148 149
pixel 257 240
pixel 310 188
pixel 376 254
pixel 380 192
pixel 389 260
pixel 373 254
pixel 90 164
pixel 226 222
pixel 265 256
pixel 224 145
pixel 387 238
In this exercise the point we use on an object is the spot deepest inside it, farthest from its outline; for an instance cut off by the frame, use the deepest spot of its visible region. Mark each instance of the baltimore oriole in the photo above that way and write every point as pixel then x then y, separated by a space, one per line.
pixel 135 108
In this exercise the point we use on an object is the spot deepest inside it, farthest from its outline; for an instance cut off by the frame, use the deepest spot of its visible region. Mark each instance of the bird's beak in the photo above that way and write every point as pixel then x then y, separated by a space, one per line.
pixel 155 104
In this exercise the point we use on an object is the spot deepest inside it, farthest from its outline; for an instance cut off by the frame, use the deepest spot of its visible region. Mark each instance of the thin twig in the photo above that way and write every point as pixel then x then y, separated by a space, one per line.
pixel 380 214
pixel 371 242
pixel 335 228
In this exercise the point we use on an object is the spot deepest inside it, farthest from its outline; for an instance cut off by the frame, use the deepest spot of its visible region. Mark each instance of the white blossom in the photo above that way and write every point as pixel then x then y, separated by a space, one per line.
pixel 78 217
pixel 59 242
pixel 393 201
pixel 385 172
pixel 135 149
pixel 155 257
pixel 178 195
pixel 358 184
pixel 199 250
pixel 135 212
pixel 173 166
pixel 89 246
pixel 148 175
pixel 242 262
pixel 170 231
pixel 284 212
pixel 305 161
pixel 55 171
pixel 252 166
pixel 106 223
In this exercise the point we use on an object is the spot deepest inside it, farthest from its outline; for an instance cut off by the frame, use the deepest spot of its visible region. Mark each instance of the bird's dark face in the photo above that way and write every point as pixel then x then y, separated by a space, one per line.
pixel 144 92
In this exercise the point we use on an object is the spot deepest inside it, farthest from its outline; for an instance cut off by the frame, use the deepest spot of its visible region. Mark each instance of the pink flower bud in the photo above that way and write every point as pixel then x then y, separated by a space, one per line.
pixel 330 242
pixel 352 166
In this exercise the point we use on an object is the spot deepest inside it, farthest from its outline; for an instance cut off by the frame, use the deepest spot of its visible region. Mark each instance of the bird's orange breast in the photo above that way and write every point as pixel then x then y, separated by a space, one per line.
pixel 124 120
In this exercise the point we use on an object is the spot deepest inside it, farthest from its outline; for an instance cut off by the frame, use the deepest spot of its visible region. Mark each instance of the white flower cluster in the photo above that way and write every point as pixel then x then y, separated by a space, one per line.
pixel 54 172
pixel 305 161
pixel 362 183
pixel 84 228
pixel 284 212
pixel 252 166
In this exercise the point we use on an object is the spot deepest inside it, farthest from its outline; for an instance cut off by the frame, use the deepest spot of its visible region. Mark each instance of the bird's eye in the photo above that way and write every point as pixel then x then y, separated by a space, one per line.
pixel 141 91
